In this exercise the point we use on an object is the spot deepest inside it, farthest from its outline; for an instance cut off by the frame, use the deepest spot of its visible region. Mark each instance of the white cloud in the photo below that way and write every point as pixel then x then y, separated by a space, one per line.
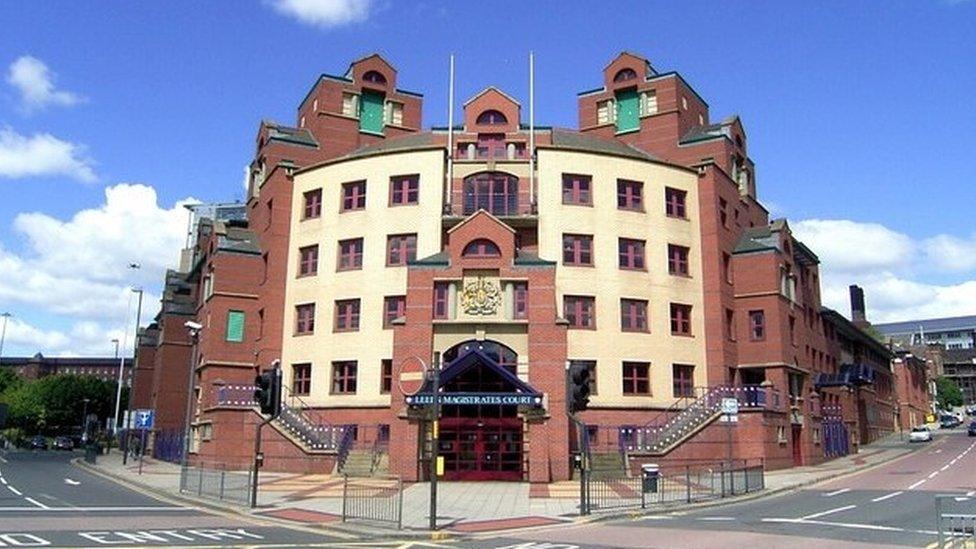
pixel 35 82
pixel 892 268
pixel 42 154
pixel 324 13
pixel 77 269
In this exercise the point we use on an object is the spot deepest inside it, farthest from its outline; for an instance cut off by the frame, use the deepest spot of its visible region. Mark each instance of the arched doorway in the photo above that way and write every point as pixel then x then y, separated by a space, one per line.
pixel 481 441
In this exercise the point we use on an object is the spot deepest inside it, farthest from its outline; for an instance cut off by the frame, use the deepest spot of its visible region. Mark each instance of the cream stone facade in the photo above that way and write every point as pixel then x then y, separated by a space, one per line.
pixel 371 343
pixel 607 344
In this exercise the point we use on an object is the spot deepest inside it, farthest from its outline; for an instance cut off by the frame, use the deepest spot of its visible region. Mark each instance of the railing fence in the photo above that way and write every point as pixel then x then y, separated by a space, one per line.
pixel 373 499
pixel 214 482
pixel 956 518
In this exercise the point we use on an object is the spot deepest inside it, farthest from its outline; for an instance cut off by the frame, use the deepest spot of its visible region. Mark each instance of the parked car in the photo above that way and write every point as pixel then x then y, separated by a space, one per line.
pixel 38 443
pixel 949 422
pixel 920 434
pixel 64 443
pixel 972 429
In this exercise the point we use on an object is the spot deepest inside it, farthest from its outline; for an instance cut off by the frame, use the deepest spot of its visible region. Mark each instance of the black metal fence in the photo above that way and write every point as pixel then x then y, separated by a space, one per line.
pixel 215 482
pixel 374 499
pixel 956 518
pixel 670 484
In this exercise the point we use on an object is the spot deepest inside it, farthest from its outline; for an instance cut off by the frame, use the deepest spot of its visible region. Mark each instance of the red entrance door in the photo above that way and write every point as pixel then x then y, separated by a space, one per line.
pixel 481 448
pixel 797 445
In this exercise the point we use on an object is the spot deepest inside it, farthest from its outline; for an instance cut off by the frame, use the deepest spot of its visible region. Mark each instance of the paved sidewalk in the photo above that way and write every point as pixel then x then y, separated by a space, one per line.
pixel 467 507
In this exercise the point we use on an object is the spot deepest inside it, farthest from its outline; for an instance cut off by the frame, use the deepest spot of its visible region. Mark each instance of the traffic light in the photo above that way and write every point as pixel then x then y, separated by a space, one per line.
pixel 578 388
pixel 268 392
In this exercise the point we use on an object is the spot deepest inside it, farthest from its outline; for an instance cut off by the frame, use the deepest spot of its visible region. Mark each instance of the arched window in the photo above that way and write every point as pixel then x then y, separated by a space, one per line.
pixel 625 75
pixel 492 118
pixel 492 191
pixel 374 77
pixel 481 247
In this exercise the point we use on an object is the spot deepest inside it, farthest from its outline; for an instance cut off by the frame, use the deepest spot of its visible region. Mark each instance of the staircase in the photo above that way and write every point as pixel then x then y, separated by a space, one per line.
pixel 309 434
pixel 682 420
pixel 361 461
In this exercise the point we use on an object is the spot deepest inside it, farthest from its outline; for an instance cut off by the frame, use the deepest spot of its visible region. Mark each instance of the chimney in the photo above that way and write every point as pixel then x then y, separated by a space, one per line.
pixel 857 305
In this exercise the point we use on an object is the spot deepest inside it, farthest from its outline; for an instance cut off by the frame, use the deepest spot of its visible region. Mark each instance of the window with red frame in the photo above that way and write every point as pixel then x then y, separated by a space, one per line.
pixel 757 325
pixel 305 318
pixel 576 189
pixel 347 315
pixel 492 145
pixel 520 296
pixel 400 248
pixel 630 254
pixel 637 378
pixel 394 307
pixel 350 254
pixel 633 315
pixel 386 376
pixel 313 204
pixel 629 195
pixel 404 190
pixel 580 311
pixel 481 248
pixel 308 260
pixel 577 249
pixel 680 319
pixel 683 380
pixel 674 203
pixel 344 377
pixel 677 260
pixel 353 196
pixel 301 379
pixel 441 291
pixel 624 75
pixel 492 118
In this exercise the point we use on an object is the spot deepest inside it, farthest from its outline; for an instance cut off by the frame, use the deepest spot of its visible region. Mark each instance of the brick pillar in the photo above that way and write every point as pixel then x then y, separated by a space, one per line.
pixel 403 454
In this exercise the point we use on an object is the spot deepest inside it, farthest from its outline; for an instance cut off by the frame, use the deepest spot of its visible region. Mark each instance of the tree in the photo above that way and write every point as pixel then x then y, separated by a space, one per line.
pixel 8 378
pixel 55 403
pixel 947 393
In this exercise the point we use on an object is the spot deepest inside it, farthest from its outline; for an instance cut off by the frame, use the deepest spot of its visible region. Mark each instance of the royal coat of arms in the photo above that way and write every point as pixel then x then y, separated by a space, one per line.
pixel 480 297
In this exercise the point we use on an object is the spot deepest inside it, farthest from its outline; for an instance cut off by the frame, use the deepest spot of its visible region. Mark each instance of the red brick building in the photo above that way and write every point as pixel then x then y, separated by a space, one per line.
pixel 635 245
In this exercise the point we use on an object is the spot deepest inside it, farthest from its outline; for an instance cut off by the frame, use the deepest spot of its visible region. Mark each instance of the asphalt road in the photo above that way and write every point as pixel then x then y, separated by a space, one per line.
pixel 888 506
pixel 45 501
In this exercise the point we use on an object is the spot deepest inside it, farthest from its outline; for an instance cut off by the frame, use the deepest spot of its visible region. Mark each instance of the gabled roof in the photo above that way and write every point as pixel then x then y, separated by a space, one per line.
pixel 650 70
pixel 472 359
pixel 488 89
pixel 364 58
pixel 478 213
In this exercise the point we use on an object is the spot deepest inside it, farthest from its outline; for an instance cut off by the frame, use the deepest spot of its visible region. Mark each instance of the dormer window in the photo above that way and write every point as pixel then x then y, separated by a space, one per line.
pixel 481 248
pixel 492 118
pixel 605 112
pixel 374 78
pixel 624 75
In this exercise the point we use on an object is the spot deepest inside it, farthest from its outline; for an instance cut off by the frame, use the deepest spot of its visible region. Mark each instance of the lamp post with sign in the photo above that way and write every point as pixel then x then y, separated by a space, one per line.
pixel 730 415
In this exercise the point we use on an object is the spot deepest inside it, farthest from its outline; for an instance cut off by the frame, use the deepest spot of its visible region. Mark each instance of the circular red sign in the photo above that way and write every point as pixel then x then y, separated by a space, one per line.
pixel 410 375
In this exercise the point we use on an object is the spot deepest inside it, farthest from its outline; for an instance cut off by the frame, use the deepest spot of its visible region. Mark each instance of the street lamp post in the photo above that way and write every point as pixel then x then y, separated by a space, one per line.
pixel 84 421
pixel 3 331
pixel 135 350
pixel 118 388
pixel 194 330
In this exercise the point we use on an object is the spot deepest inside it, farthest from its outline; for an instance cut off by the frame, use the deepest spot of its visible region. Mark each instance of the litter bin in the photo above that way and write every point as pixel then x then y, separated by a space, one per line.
pixel 91 453
pixel 650 473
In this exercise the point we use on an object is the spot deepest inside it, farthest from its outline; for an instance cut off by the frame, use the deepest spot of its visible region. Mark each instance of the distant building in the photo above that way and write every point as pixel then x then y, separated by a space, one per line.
pixel 957 332
pixel 959 365
pixel 38 366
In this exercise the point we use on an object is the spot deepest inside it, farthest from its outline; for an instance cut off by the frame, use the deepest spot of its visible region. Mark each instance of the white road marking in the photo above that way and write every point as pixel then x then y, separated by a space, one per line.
pixel 3 480
pixel 916 485
pixel 836 492
pixel 96 509
pixel 717 518
pixel 971 493
pixel 656 517
pixel 3 460
pixel 37 503
pixel 72 482
pixel 849 525
pixel 14 490
pixel 829 512
pixel 944 467
pixel 889 496
pixel 932 474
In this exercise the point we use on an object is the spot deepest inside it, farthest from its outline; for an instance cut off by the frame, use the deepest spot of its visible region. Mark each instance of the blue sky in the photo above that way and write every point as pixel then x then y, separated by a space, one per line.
pixel 859 118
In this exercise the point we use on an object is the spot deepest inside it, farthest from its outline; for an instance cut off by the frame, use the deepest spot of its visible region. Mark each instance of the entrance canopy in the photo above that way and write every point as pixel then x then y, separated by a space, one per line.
pixel 476 379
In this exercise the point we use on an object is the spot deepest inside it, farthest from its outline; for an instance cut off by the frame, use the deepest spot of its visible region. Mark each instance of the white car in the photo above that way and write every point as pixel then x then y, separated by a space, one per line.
pixel 920 434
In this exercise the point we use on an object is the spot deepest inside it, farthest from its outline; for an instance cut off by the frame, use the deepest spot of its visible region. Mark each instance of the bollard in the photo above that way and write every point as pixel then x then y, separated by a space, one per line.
pixel 222 474
pixel 688 483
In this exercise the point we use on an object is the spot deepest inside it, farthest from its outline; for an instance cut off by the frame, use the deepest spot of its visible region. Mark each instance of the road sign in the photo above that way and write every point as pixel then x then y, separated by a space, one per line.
pixel 730 406
pixel 144 419
pixel 411 375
